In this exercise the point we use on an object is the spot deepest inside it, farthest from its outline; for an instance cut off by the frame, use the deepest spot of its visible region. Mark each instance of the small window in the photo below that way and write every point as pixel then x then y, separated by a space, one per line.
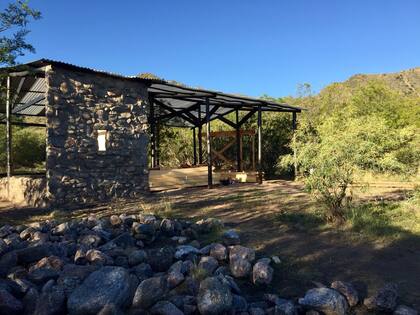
pixel 102 135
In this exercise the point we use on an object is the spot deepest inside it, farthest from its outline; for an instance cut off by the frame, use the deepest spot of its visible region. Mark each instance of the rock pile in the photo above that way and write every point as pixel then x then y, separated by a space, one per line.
pixel 141 264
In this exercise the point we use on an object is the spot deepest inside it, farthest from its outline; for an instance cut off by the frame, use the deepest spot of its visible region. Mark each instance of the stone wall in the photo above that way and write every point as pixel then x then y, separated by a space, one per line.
pixel 80 104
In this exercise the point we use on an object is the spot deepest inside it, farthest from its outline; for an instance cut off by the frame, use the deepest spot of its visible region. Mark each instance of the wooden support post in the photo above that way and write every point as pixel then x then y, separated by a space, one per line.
pixel 194 146
pixel 8 135
pixel 238 142
pixel 152 133
pixel 294 144
pixel 209 158
pixel 200 137
pixel 259 167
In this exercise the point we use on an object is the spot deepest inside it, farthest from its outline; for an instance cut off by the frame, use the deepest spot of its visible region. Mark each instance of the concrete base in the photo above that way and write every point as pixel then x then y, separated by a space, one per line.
pixel 24 191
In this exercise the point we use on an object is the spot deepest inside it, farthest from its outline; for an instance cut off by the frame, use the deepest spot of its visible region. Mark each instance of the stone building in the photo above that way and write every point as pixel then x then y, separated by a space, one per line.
pixel 98 126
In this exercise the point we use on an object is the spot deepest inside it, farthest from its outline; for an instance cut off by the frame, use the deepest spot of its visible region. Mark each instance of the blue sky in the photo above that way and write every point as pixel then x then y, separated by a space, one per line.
pixel 236 46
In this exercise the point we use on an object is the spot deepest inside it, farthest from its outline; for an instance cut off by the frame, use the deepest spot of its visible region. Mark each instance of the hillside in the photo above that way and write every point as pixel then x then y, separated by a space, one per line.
pixel 406 81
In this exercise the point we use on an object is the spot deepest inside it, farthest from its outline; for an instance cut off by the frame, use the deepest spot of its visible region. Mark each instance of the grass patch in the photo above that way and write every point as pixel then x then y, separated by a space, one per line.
pixel 302 220
pixel 392 219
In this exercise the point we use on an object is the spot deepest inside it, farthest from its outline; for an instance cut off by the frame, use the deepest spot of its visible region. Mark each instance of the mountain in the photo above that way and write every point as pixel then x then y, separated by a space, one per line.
pixel 406 81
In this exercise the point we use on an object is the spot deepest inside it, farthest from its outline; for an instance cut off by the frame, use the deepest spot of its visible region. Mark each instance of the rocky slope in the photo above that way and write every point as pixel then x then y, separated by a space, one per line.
pixel 141 264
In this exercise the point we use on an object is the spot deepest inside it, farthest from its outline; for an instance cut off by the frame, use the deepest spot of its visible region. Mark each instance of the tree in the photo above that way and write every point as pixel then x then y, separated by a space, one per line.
pixel 367 133
pixel 13 28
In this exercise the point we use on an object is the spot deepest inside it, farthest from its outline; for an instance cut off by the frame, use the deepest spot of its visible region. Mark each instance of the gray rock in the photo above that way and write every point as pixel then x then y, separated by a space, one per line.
pixel 9 304
pixel 95 256
pixel 239 304
pixel 405 310
pixel 347 290
pixel 167 227
pixel 218 251
pixel 209 264
pixel 33 253
pixel 326 300
pixel 213 297
pixel 29 301
pixel 123 240
pixel 104 286
pixel 51 302
pixel 137 257
pixel 149 292
pixel 256 311
pixel 61 229
pixel 242 252
pixel 115 220
pixel 184 250
pixel 165 308
pixel 42 275
pixel 161 259
pixel 262 273
pixel 174 279
pixel 286 308
pixel 384 300
pixel 110 309
pixel 239 267
pixel 143 271
pixel 7 262
pixel 231 237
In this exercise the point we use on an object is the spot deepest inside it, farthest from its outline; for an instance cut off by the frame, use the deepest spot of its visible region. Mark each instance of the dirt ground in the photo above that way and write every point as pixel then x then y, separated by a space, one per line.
pixel 320 253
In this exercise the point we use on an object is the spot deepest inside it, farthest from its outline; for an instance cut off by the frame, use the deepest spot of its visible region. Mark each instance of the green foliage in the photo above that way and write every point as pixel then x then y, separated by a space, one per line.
pixel 28 147
pixel 13 23
pixel 368 131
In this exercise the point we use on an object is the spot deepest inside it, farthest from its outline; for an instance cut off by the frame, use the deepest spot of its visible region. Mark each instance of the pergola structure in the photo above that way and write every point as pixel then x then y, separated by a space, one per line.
pixel 177 105
pixel 169 104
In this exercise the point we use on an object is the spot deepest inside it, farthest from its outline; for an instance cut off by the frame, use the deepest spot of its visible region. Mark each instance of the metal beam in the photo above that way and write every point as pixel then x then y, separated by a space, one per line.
pixel 209 159
pixel 246 117
pixel 259 167
pixel 200 137
pixel 152 132
pixel 238 143
pixel 194 146
pixel 8 135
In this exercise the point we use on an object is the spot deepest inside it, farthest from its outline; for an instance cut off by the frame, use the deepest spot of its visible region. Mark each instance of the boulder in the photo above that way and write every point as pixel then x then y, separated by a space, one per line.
pixel 143 271
pixel 326 300
pixel 137 257
pixel 110 309
pixel 161 259
pixel 32 254
pixel 167 227
pixel 184 250
pixel 165 308
pixel 7 262
pixel 95 256
pixel 347 290
pixel 104 286
pixel 384 300
pixel 242 252
pixel 213 297
pixel 208 264
pixel 174 278
pixel 405 310
pixel 149 292
pixel 262 273
pixel 115 220
pixel 218 251
pixel 52 301
pixel 9 304
pixel 231 237
pixel 239 267
pixel 286 308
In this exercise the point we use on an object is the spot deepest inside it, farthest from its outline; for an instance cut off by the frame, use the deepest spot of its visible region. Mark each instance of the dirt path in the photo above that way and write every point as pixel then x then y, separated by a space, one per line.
pixel 319 254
